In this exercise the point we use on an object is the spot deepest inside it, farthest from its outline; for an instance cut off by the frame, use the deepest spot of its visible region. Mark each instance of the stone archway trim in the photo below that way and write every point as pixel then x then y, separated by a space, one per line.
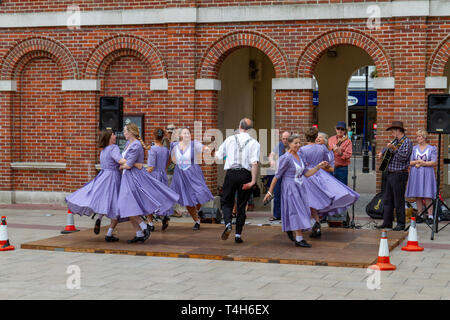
pixel 214 56
pixel 126 42
pixel 54 49
pixel 316 48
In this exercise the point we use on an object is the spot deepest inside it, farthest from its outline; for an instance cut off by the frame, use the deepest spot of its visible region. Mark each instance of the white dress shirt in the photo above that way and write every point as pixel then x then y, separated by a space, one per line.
pixel 230 151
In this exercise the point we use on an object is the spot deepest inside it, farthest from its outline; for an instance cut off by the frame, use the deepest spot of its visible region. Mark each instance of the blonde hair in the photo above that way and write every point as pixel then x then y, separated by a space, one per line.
pixel 134 130
pixel 422 133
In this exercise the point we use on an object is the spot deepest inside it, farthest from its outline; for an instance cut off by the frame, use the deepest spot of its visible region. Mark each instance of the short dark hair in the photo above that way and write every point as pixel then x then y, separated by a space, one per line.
pixel 311 134
pixel 103 139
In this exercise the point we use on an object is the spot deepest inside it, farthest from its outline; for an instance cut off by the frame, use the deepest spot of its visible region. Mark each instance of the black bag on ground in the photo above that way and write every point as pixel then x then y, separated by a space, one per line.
pixel 210 215
pixel 375 207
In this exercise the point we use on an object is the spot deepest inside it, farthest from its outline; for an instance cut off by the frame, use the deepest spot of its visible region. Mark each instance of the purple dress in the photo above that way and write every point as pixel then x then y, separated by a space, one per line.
pixel 422 181
pixel 325 193
pixel 100 194
pixel 295 212
pixel 140 193
pixel 188 180
pixel 157 158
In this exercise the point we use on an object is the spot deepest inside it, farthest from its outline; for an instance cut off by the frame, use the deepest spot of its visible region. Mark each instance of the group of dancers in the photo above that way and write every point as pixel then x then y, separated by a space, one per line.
pixel 308 189
pixel 124 191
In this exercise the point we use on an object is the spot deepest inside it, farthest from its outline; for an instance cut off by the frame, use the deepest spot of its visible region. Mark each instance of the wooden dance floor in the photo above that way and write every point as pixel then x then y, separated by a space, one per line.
pixel 337 246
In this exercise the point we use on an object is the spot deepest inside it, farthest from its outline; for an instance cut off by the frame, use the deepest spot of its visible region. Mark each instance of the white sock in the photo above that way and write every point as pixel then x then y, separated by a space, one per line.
pixel 228 225
pixel 197 221
pixel 430 217
pixel 237 235
pixel 298 238
pixel 143 225
pixel 139 234
pixel 150 223
pixel 110 231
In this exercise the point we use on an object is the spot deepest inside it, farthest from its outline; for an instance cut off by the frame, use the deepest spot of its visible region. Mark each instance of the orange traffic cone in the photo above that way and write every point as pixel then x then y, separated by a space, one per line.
pixel 383 255
pixel 4 240
pixel 70 225
pixel 413 244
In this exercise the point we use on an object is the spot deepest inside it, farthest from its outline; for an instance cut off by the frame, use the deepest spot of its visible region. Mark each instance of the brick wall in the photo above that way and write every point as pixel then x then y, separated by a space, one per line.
pixel 125 58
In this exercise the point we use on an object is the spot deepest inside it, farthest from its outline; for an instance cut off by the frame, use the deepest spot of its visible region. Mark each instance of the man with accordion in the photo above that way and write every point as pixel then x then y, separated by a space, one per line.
pixel 396 157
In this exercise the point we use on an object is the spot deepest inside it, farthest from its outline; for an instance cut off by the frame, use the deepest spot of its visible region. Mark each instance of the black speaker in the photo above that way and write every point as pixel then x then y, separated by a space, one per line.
pixel 111 113
pixel 438 117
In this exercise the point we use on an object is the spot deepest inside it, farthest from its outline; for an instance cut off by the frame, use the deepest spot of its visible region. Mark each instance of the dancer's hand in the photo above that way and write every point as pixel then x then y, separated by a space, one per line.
pixel 322 165
pixel 139 165
pixel 266 197
pixel 248 185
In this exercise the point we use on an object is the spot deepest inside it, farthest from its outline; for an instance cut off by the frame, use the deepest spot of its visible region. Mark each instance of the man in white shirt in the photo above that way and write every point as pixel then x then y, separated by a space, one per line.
pixel 241 153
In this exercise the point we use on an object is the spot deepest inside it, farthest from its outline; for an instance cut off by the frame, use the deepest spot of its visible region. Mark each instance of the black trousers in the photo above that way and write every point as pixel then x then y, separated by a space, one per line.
pixel 234 180
pixel 394 197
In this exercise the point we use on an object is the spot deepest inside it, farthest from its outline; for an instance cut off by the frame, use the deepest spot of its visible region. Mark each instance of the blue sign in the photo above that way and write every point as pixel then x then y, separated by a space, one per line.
pixel 355 98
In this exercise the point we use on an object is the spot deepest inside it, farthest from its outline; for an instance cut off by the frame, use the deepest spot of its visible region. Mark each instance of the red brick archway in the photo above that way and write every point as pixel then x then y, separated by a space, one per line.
pixel 316 48
pixel 124 44
pixel 35 47
pixel 439 59
pixel 219 50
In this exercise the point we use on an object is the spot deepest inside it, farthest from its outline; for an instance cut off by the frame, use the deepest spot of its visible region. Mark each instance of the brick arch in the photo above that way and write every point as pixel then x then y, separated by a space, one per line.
pixel 34 48
pixel 439 59
pixel 316 48
pixel 219 50
pixel 125 43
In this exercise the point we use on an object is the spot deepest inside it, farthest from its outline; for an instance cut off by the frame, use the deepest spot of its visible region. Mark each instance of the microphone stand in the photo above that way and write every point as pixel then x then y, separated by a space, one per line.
pixel 352 223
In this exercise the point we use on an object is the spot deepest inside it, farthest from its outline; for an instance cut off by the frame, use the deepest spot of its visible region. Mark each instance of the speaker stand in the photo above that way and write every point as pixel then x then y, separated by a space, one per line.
pixel 437 203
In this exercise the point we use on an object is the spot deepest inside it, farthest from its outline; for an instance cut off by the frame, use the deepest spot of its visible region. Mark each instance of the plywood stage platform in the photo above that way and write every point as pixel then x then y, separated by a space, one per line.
pixel 337 246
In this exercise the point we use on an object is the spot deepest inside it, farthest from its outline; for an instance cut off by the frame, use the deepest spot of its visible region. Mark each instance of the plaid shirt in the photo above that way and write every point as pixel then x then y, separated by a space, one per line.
pixel 400 159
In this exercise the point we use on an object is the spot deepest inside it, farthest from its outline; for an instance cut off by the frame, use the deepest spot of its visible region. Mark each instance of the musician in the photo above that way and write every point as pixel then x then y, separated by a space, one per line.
pixel 397 177
pixel 342 149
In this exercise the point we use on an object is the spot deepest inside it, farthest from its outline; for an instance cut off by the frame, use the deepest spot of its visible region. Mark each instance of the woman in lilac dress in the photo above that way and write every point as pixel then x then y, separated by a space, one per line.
pixel 325 193
pixel 188 180
pixel 140 194
pixel 158 160
pixel 422 181
pixel 322 138
pixel 99 196
pixel 295 211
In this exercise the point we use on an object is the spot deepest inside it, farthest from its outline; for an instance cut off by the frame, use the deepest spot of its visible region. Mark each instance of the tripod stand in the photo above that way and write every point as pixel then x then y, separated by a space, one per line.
pixel 436 202
pixel 352 222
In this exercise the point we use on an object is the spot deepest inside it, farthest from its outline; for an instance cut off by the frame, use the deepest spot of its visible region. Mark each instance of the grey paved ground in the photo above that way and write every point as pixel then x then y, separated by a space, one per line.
pixel 32 274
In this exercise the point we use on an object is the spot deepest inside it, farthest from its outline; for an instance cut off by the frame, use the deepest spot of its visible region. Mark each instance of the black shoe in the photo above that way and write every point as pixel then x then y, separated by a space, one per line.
pixel 152 228
pixel 399 227
pixel 147 232
pixel 196 226
pixel 111 239
pixel 290 235
pixel 97 226
pixel 226 233
pixel 136 239
pixel 165 222
pixel 384 226
pixel 428 221
pixel 316 233
pixel 302 244
pixel 238 240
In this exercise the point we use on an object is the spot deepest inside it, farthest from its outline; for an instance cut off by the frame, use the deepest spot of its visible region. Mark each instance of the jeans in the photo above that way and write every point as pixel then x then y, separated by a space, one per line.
pixel 341 173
